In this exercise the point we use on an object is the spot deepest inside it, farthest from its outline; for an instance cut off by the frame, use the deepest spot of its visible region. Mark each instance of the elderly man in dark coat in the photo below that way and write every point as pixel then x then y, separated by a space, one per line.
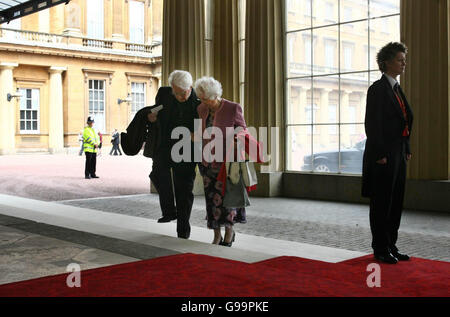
pixel 174 181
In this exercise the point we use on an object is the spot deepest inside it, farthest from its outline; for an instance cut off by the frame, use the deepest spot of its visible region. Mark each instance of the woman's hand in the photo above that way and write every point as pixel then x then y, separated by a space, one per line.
pixel 383 161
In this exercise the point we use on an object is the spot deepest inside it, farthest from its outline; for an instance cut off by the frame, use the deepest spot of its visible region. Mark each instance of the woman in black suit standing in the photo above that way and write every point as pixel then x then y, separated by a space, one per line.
pixel 388 126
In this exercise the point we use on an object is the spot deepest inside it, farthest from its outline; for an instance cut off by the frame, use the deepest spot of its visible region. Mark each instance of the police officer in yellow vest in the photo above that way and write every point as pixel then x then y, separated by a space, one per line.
pixel 91 142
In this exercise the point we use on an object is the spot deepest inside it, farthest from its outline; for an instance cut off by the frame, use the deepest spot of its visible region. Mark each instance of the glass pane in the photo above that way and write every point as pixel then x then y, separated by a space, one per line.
pixel 35 98
pixel 299 100
pixel 100 84
pixel 299 53
pixel 95 84
pixel 22 125
pixel 374 76
pixel 381 8
pixel 90 84
pixel 326 51
pixel 326 99
pixel 326 150
pixel 22 115
pixel 353 97
pixel 28 115
pixel 298 14
pixel 354 39
pixel 28 125
pixel 29 104
pixel 35 115
pixel 101 95
pixel 95 95
pixel 353 10
pixel 28 93
pixel 382 31
pixel 325 12
pixel 35 125
pixel 353 142
pixel 102 106
pixel 91 106
pixel 299 148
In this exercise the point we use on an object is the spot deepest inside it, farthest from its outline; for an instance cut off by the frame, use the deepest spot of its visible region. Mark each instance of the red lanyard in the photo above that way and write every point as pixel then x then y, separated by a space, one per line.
pixel 402 105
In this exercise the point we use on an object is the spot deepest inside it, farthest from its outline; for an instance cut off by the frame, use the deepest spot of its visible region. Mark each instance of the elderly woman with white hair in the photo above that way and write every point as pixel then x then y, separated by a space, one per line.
pixel 215 111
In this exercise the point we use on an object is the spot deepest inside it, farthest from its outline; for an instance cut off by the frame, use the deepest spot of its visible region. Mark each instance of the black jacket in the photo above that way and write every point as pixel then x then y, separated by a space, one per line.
pixel 384 124
pixel 156 135
pixel 139 131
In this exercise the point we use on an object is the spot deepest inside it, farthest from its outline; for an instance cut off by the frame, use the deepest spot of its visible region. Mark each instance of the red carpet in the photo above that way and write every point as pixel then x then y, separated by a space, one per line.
pixel 191 275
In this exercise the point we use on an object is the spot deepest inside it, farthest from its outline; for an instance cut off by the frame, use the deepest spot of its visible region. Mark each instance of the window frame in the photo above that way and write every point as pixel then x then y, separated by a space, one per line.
pixel 341 73
pixel 34 107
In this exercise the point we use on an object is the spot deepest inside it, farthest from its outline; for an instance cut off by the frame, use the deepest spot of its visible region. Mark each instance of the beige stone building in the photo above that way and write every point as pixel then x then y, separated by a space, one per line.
pixel 99 58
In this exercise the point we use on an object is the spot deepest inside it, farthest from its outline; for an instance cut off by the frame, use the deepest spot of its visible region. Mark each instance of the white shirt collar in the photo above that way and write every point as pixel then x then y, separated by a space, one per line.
pixel 392 81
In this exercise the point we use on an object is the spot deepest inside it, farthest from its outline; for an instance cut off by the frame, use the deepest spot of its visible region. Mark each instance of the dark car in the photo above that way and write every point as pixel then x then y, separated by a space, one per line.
pixel 328 162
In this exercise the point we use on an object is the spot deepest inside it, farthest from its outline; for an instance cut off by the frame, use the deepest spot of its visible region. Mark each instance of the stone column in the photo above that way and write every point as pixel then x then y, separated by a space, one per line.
pixel 118 20
pixel 183 38
pixel 73 18
pixel 426 85
pixel 56 117
pixel 8 118
pixel 226 47
pixel 264 89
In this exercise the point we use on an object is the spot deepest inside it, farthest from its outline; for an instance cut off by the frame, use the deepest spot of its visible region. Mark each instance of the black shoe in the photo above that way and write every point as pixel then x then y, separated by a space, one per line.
pixel 386 258
pixel 87 177
pixel 166 219
pixel 400 257
pixel 228 244
pixel 95 176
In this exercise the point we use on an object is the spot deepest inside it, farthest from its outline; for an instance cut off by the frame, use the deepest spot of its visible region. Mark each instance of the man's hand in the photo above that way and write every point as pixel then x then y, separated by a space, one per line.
pixel 383 161
pixel 152 117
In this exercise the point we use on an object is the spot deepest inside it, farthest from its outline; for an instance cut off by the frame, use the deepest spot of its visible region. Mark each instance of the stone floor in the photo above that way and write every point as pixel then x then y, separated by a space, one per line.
pixel 337 225
pixel 51 217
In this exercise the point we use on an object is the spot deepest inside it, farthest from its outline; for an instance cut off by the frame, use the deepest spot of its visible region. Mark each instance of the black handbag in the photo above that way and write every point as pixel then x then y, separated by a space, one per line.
pixel 235 194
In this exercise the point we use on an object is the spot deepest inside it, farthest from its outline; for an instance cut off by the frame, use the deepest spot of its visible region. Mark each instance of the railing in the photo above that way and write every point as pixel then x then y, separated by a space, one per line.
pixel 98 43
pixel 71 42
pixel 139 48
pixel 31 36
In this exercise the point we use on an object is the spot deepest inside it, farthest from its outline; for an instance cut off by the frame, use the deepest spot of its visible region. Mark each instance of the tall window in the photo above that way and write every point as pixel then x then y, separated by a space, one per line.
pixel 344 37
pixel 29 111
pixel 137 22
pixel 95 19
pixel 138 97
pixel 97 103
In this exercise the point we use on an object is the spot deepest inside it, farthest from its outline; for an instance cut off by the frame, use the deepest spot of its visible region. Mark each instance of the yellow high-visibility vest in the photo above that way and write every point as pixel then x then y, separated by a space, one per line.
pixel 90 139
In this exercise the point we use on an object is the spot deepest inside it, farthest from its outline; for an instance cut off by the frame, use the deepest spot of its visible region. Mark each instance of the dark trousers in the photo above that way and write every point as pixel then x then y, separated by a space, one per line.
pixel 386 202
pixel 114 149
pixel 180 202
pixel 91 163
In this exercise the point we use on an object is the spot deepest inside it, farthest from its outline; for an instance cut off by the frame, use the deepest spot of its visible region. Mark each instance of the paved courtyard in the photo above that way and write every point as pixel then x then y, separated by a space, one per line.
pixel 124 189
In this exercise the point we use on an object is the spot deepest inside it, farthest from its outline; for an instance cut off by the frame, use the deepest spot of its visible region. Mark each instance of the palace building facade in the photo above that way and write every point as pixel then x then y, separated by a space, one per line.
pixel 99 58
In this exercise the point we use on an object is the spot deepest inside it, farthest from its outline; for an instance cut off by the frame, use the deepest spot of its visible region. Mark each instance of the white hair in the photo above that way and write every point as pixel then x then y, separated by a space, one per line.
pixel 208 88
pixel 181 79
